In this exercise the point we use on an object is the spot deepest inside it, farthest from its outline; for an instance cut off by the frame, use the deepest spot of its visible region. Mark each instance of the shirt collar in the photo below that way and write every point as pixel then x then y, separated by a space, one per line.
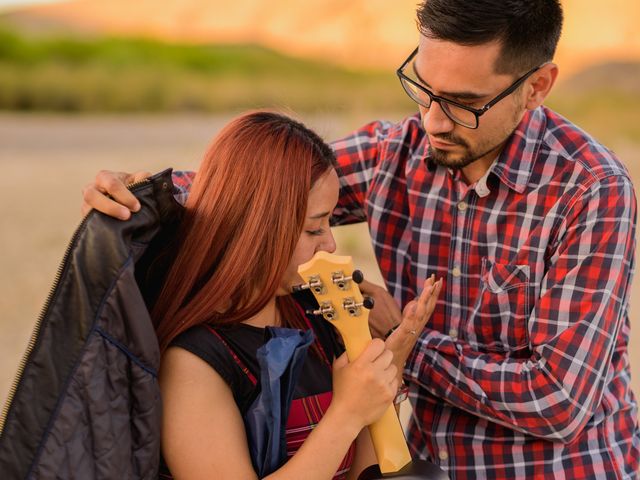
pixel 515 163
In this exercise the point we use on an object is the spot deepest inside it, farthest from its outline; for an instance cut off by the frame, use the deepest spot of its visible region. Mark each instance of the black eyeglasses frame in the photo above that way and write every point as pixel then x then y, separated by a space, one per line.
pixel 478 112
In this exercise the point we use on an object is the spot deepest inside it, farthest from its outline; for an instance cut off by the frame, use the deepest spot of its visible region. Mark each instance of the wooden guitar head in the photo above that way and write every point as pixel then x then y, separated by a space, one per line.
pixel 334 283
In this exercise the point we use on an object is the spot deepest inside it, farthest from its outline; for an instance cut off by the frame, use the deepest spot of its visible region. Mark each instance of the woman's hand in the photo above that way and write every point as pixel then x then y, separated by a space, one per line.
pixel 364 388
pixel 108 194
pixel 414 318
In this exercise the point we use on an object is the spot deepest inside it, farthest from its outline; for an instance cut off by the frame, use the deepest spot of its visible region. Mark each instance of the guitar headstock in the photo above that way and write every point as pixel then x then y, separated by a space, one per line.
pixel 334 283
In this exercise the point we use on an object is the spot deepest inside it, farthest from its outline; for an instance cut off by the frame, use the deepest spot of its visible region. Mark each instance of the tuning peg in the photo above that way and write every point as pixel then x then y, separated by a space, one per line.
pixel 368 302
pixel 326 310
pixel 357 276
pixel 340 280
pixel 314 284
pixel 353 308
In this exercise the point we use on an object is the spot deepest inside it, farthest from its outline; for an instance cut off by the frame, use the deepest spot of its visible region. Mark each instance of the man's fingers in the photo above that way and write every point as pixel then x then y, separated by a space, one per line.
pixel 109 194
pixel 433 299
pixel 98 200
pixel 115 185
pixel 139 176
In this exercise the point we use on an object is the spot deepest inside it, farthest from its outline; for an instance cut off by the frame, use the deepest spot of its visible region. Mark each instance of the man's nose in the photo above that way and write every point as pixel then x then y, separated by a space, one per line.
pixel 435 121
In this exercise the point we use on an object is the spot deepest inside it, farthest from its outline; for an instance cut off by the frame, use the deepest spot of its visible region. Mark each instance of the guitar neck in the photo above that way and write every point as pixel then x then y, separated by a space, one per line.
pixel 386 433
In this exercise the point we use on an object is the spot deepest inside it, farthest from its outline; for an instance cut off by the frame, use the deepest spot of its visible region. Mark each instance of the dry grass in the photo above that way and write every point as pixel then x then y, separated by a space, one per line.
pixel 47 159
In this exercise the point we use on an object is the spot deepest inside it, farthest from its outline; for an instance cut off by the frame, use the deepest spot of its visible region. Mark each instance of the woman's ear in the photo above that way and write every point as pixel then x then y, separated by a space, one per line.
pixel 540 84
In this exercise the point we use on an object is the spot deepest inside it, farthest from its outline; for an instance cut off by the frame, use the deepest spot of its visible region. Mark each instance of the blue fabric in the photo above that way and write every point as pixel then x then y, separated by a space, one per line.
pixel 280 359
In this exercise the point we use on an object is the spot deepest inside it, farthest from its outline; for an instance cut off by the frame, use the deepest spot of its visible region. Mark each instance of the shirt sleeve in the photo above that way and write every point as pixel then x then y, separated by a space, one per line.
pixel 357 157
pixel 182 181
pixel 574 329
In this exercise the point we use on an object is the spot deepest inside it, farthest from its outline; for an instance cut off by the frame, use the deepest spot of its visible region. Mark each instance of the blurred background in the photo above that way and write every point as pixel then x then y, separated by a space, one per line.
pixel 121 85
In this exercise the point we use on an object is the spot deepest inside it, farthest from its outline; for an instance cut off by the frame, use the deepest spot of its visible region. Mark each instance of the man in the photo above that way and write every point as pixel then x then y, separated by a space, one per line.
pixel 523 370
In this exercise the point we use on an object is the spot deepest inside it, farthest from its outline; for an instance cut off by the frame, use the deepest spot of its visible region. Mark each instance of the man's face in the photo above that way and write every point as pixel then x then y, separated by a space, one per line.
pixel 466 74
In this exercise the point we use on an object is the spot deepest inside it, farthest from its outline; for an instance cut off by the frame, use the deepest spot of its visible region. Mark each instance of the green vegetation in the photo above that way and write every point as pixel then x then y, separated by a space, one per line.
pixel 68 74
pixel 610 114
pixel 125 75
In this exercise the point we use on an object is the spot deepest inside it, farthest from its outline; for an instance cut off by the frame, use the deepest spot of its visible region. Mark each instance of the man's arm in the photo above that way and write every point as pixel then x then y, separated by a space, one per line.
pixel 573 329
pixel 357 161
pixel 358 157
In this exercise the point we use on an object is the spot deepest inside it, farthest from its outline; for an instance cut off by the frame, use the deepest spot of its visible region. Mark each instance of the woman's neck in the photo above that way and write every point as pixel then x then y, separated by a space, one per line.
pixel 269 316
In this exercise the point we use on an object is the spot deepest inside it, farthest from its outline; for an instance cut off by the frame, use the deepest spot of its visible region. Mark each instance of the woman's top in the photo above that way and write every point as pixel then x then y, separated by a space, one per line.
pixel 231 351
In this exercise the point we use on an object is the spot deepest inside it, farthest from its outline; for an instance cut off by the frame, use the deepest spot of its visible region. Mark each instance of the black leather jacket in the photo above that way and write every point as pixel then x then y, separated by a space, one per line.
pixel 87 403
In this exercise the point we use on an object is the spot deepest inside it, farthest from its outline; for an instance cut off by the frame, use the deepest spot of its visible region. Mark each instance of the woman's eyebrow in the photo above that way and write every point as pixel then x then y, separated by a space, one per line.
pixel 319 215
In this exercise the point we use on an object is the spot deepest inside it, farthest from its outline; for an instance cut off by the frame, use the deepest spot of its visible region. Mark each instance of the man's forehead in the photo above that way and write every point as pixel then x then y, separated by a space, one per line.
pixel 442 63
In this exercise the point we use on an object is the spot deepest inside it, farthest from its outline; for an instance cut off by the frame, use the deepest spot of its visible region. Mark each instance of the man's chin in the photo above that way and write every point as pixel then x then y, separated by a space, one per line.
pixel 448 159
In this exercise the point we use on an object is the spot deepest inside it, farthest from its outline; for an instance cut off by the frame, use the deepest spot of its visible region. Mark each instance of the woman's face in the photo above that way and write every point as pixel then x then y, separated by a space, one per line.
pixel 316 233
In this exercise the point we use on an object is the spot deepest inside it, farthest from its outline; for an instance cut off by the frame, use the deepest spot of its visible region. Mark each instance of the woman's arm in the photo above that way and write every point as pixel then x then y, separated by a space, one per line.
pixel 203 434
pixel 365 455
pixel 202 430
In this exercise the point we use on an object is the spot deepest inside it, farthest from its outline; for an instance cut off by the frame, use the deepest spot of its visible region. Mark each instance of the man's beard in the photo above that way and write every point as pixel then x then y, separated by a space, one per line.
pixel 446 159
pixel 469 155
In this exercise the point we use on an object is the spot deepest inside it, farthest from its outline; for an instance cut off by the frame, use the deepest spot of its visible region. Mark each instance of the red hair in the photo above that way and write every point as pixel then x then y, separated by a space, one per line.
pixel 243 219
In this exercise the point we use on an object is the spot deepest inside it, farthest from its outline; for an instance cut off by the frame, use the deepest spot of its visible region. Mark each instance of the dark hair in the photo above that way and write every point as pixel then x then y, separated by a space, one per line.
pixel 528 30
pixel 243 219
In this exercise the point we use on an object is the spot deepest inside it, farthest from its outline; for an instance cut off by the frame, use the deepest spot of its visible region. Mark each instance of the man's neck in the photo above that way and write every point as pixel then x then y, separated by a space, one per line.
pixel 476 170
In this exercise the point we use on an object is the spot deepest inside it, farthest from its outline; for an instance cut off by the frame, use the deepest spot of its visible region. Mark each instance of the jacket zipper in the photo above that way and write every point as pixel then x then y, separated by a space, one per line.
pixel 33 340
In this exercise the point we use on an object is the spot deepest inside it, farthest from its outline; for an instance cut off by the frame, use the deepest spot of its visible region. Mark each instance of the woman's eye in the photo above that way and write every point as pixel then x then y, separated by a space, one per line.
pixel 315 232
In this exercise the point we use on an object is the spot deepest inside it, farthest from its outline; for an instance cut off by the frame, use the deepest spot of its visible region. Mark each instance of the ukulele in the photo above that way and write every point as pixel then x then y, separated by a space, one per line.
pixel 333 282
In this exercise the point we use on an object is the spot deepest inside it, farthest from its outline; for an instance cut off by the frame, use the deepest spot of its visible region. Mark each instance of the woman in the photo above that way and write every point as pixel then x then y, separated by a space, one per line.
pixel 258 208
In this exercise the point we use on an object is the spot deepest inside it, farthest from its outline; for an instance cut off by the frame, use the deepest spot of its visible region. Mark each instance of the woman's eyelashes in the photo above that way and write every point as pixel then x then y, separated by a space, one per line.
pixel 316 232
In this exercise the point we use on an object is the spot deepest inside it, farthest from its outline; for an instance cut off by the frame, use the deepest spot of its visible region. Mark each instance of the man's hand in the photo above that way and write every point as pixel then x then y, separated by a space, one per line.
pixel 386 313
pixel 108 194
pixel 414 318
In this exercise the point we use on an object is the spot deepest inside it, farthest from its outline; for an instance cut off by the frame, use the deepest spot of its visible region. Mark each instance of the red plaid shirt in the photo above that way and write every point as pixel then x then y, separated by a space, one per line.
pixel 523 369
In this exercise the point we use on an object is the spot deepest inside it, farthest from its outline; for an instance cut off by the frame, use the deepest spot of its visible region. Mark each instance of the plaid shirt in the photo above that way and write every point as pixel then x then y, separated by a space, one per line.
pixel 523 369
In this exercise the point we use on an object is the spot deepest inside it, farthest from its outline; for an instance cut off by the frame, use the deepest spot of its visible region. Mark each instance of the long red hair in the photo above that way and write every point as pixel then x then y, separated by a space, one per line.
pixel 243 219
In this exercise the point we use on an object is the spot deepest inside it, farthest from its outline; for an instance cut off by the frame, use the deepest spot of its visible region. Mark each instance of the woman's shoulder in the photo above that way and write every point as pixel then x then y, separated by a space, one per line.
pixel 228 351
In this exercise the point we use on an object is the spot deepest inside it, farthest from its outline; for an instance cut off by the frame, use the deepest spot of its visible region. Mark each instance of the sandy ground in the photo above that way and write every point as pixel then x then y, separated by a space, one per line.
pixel 47 159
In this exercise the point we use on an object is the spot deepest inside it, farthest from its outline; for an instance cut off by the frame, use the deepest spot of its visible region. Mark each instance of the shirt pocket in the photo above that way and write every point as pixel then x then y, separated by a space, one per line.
pixel 498 320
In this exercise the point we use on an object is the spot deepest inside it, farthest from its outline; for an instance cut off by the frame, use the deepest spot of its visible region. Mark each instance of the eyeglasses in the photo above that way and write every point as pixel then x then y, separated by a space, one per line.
pixel 460 114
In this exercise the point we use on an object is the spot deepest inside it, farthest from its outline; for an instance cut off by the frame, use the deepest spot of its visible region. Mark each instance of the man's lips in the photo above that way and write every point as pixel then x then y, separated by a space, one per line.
pixel 434 142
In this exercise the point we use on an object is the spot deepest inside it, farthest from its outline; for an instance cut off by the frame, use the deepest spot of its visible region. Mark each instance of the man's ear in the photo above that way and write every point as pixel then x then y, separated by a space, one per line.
pixel 540 84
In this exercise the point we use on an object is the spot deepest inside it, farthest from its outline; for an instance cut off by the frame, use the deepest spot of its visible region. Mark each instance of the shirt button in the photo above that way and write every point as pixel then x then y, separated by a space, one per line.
pixel 443 455
pixel 456 272
pixel 482 192
pixel 453 333
pixel 462 206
